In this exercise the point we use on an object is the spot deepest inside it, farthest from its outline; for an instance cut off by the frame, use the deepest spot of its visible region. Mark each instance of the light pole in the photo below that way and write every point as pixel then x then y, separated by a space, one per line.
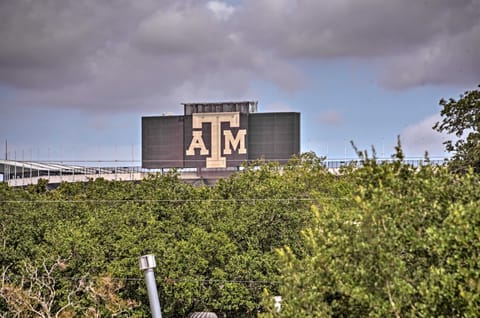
pixel 147 264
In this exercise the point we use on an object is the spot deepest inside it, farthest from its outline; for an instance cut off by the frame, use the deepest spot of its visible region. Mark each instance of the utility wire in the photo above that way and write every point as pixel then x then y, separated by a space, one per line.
pixel 173 200
pixel 147 201
pixel 165 279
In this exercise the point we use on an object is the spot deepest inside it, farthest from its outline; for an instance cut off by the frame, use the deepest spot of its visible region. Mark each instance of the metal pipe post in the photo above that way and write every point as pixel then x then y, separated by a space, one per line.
pixel 147 264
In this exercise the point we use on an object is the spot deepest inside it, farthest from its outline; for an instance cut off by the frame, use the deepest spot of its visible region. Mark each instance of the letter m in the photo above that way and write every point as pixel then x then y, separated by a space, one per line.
pixel 235 142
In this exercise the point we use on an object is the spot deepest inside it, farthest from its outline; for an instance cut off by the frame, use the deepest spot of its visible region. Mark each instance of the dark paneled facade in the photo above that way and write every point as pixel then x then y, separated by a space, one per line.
pixel 271 136
pixel 162 142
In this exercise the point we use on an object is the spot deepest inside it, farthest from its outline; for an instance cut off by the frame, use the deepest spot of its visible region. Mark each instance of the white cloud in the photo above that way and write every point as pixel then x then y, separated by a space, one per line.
pixel 420 137
pixel 222 10
pixel 330 117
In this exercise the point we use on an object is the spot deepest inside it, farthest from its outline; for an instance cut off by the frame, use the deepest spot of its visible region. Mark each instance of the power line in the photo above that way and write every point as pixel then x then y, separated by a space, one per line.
pixel 165 279
pixel 174 200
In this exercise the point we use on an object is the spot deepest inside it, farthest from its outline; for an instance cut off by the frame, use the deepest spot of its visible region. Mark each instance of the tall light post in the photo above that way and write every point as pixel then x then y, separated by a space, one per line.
pixel 147 264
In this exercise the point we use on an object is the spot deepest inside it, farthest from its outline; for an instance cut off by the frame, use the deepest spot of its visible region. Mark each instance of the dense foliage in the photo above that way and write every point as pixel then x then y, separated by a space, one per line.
pixel 377 240
pixel 462 118
pixel 407 245
pixel 214 246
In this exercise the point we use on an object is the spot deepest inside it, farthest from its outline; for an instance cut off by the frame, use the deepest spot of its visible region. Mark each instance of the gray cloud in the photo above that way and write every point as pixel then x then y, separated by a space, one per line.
pixel 48 44
pixel 354 28
pixel 181 31
pixel 427 41
pixel 149 55
pixel 444 61
pixel 122 55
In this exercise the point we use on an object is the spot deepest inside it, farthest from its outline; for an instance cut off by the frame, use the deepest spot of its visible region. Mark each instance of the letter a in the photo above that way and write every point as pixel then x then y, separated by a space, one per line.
pixel 197 143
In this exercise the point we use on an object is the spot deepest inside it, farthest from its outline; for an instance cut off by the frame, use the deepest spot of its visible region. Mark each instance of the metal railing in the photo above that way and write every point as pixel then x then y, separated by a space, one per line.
pixel 415 162
pixel 24 174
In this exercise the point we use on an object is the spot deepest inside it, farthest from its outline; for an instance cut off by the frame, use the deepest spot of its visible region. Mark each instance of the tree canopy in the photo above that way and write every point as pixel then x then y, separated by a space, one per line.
pixel 462 118
pixel 406 245
pixel 214 246
pixel 378 240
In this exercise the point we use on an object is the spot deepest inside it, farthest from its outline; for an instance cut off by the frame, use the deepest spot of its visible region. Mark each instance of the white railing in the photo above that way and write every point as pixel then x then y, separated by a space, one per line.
pixel 25 175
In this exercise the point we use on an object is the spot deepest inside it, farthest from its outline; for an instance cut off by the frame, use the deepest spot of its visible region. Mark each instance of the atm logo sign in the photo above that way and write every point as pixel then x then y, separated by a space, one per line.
pixel 232 143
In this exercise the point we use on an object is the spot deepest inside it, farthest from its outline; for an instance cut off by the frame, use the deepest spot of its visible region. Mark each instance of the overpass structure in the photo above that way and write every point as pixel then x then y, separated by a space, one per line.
pixel 24 173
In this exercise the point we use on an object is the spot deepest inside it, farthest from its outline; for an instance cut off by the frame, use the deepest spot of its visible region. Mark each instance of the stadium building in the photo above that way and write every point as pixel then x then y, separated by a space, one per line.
pixel 207 142
pixel 215 138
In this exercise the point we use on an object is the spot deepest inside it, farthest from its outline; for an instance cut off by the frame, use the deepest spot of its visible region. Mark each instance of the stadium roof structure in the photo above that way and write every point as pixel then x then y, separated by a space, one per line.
pixel 23 173
pixel 9 166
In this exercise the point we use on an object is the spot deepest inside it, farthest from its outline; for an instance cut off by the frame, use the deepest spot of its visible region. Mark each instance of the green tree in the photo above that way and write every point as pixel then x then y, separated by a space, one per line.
pixel 406 246
pixel 462 118
pixel 215 245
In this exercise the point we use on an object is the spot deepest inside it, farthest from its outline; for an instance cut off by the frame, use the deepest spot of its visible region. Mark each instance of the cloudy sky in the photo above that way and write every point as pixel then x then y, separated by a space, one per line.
pixel 77 75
